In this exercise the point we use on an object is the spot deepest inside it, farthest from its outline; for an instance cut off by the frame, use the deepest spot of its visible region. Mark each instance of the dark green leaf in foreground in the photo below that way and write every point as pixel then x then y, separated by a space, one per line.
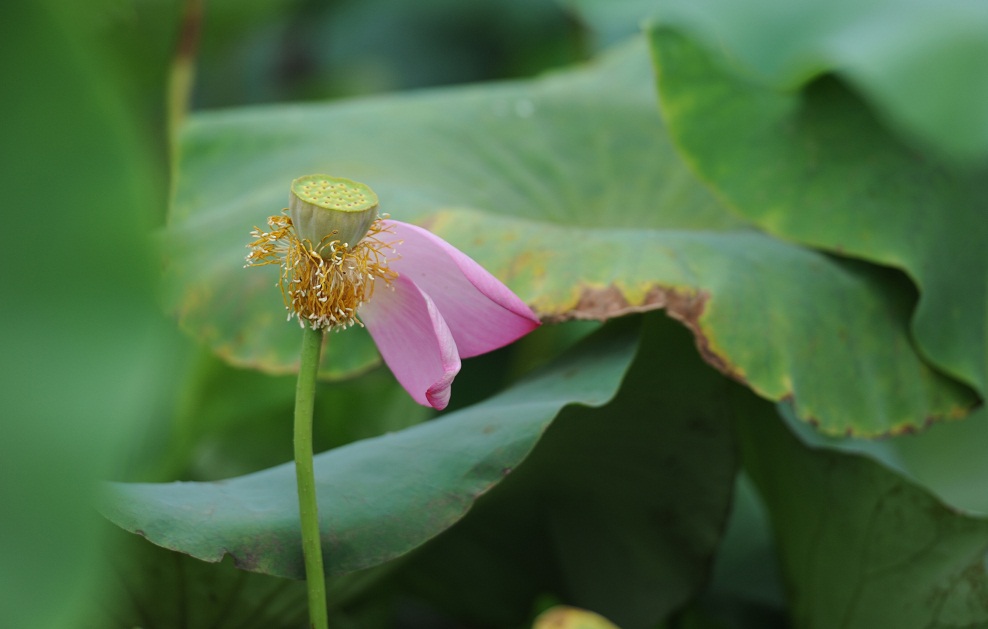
pixel 814 165
pixel 378 498
pixel 862 547
pixel 618 509
pixel 745 584
pixel 568 189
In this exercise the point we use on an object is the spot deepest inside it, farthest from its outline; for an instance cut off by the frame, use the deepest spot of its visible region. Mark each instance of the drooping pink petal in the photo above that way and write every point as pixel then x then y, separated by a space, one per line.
pixel 414 341
pixel 481 312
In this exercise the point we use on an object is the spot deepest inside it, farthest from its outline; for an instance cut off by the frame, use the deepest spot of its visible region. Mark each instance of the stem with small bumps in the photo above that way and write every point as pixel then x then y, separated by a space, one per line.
pixel 305 391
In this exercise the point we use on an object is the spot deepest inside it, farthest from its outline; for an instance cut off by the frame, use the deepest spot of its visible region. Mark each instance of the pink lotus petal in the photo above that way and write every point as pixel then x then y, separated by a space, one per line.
pixel 414 341
pixel 481 312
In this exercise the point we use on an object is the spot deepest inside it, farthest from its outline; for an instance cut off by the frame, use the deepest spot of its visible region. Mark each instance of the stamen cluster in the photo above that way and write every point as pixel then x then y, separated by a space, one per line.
pixel 325 290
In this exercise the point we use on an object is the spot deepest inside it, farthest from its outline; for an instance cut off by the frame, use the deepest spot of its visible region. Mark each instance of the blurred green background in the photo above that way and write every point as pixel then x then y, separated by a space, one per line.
pixel 96 383
pixel 262 51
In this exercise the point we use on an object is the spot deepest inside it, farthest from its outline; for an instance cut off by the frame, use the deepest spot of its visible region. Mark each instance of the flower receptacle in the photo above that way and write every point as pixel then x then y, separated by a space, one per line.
pixel 324 209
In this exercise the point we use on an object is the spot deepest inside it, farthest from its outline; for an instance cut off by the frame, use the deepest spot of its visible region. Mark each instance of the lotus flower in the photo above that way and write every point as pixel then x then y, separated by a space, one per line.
pixel 425 303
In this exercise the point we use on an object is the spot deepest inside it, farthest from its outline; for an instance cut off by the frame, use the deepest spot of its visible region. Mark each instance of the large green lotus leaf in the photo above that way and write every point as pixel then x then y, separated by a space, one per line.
pixel 815 166
pixel 948 459
pixel 569 190
pixel 379 498
pixel 619 509
pixel 579 148
pixel 919 63
pixel 860 545
pixel 769 314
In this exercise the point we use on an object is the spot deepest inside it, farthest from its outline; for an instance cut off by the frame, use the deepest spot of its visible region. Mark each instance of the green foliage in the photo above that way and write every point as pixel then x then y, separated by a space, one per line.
pixel 79 334
pixel 521 172
pixel 861 546
pixel 148 586
pixel 822 170
pixel 801 186
pixel 258 51
pixel 618 509
pixel 920 63
pixel 381 497
pixel 231 422
pixel 947 459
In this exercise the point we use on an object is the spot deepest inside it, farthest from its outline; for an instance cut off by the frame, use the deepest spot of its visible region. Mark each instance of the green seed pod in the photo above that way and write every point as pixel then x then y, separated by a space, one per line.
pixel 324 209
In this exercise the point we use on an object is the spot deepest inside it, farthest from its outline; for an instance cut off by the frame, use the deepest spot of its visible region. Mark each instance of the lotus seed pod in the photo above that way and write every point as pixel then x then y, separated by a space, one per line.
pixel 324 209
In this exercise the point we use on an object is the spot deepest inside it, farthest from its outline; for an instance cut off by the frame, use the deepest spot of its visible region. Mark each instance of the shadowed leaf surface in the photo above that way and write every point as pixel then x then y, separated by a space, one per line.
pixel 148 586
pixel 618 510
pixel 860 546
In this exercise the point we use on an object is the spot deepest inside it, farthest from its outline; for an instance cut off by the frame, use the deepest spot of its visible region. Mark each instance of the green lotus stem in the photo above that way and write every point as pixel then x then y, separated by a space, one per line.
pixel 305 393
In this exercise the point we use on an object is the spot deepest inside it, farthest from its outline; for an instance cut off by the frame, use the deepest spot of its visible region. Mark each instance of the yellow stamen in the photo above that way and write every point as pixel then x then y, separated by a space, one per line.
pixel 323 291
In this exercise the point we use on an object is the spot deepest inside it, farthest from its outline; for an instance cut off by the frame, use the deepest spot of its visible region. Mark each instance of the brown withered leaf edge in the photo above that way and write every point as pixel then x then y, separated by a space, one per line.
pixel 603 303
